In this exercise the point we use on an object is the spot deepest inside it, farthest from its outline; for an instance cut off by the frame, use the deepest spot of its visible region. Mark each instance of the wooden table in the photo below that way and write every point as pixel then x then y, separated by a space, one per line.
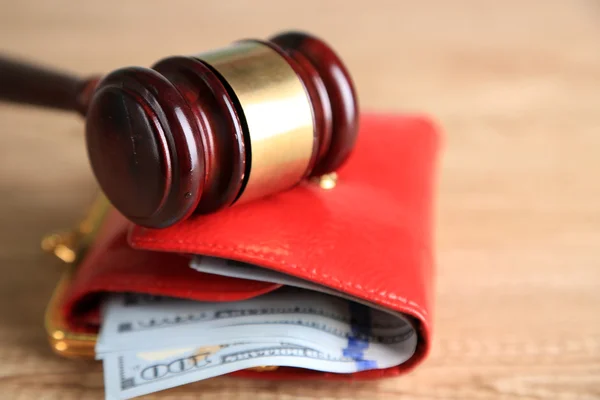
pixel 516 87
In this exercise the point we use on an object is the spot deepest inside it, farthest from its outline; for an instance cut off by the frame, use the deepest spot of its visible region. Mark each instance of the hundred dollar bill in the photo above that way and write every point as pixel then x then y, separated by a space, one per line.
pixel 322 322
pixel 299 316
pixel 129 313
pixel 400 330
pixel 135 373
pixel 150 343
pixel 237 269
pixel 215 337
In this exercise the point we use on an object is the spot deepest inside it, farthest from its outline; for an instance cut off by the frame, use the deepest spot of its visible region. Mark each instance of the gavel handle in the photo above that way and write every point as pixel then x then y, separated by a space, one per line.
pixel 26 83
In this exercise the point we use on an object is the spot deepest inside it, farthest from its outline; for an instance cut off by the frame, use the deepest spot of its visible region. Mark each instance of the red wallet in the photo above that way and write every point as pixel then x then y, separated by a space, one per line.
pixel 370 237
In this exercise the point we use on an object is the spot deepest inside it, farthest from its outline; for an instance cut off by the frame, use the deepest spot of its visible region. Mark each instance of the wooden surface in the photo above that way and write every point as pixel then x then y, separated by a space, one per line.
pixel 516 87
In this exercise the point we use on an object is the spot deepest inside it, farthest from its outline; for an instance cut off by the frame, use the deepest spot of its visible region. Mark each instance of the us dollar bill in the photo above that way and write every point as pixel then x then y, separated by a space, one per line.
pixel 317 318
pixel 237 269
pixel 130 374
pixel 123 318
pixel 150 343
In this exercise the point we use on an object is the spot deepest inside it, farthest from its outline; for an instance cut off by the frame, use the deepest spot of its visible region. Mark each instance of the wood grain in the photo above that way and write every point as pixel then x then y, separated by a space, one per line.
pixel 515 86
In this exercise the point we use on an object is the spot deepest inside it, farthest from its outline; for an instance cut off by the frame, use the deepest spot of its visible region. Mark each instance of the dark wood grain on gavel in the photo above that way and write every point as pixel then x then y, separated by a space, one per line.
pixel 171 140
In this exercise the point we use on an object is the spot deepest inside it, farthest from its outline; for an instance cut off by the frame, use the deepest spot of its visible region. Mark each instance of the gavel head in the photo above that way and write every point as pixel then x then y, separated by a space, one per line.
pixel 199 133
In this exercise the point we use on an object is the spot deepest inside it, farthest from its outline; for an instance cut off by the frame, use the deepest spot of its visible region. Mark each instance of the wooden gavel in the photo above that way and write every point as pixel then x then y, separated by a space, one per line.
pixel 200 133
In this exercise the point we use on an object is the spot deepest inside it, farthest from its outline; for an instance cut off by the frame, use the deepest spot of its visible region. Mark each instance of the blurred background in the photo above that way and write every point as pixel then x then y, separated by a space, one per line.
pixel 515 87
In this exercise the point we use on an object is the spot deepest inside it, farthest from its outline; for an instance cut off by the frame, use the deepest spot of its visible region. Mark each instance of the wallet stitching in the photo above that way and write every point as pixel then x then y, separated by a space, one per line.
pixel 383 296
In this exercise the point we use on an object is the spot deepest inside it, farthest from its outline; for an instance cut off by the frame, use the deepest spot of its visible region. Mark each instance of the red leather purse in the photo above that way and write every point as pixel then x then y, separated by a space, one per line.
pixel 370 237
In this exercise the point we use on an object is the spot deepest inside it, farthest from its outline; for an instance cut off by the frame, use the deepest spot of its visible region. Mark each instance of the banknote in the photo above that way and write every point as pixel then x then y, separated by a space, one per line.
pixel 151 343
pixel 237 269
pixel 135 373
pixel 147 312
pixel 291 314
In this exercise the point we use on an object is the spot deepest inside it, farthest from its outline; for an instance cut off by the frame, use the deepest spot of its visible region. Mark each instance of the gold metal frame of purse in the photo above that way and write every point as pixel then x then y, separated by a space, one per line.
pixel 70 248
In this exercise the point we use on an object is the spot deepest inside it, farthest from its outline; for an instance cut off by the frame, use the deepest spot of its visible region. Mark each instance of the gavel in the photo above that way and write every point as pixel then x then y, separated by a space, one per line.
pixel 196 134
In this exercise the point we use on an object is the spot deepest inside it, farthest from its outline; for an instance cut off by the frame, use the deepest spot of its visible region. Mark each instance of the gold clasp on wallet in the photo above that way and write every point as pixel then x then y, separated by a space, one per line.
pixel 327 181
pixel 70 247
pixel 63 341
pixel 62 245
